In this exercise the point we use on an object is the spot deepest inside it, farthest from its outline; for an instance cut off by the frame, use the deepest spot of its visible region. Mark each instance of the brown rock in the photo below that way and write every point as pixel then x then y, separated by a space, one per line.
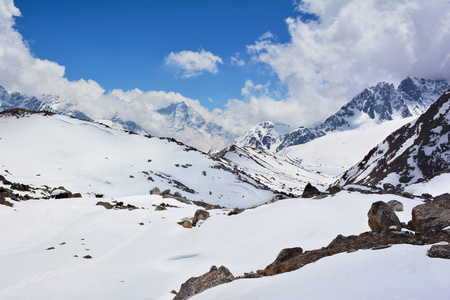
pixel 432 216
pixel 439 251
pixel 196 285
pixel 200 214
pixel 382 218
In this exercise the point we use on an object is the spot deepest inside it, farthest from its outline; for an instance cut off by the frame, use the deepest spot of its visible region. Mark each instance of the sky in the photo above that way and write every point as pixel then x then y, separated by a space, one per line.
pixel 236 62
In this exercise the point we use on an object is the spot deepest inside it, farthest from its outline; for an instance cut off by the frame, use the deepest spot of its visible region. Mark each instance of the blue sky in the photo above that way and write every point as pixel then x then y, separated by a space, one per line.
pixel 123 44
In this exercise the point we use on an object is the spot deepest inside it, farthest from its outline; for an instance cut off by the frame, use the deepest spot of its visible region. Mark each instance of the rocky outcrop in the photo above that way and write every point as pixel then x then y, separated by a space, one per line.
pixel 382 218
pixel 395 205
pixel 200 214
pixel 195 285
pixel 432 216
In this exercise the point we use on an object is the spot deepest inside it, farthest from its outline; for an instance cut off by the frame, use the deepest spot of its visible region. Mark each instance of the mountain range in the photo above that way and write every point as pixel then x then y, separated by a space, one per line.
pixel 375 105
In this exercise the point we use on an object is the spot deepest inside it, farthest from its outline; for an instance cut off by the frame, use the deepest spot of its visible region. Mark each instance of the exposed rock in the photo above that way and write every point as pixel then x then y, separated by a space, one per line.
pixel 61 193
pixel 334 189
pixel 165 192
pixel 200 214
pixel 439 251
pixel 395 205
pixel 155 191
pixel 432 216
pixel 77 195
pixel 196 285
pixel 236 211
pixel 87 256
pixel 4 202
pixel 185 224
pixel 287 253
pixel 106 205
pixel 382 217
pixel 310 191
pixel 160 207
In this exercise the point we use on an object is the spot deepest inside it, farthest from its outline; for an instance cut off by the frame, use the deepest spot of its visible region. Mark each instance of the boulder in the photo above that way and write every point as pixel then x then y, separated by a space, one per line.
pixel 439 251
pixel 310 191
pixel 165 192
pixel 185 224
pixel 287 253
pixel 155 191
pixel 395 205
pixel 382 218
pixel 432 216
pixel 106 205
pixel 200 214
pixel 334 189
pixel 60 193
pixel 196 285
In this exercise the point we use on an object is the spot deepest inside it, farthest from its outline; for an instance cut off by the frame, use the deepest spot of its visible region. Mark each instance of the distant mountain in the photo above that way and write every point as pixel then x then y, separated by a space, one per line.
pixel 263 136
pixel 185 123
pixel 181 117
pixel 374 105
pixel 417 151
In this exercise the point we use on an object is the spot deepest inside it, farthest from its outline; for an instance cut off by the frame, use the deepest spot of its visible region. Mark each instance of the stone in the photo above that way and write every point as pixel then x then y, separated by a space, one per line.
pixel 60 193
pixel 87 256
pixel 382 217
pixel 106 205
pixel 196 285
pixel 160 207
pixel 334 189
pixel 395 205
pixel 310 191
pixel 439 251
pixel 200 214
pixel 185 224
pixel 165 192
pixel 288 253
pixel 433 216
pixel 155 191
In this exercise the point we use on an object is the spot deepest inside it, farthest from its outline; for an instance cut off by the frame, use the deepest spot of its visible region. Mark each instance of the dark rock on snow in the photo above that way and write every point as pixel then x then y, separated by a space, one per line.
pixel 196 285
pixel 200 214
pixel 395 205
pixel 432 216
pixel 310 191
pixel 439 251
pixel 382 218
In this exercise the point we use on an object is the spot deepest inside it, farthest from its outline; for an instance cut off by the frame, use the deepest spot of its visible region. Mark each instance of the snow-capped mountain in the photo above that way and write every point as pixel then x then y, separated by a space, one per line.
pixel 374 105
pixel 417 151
pixel 182 117
pixel 263 136
pixel 185 123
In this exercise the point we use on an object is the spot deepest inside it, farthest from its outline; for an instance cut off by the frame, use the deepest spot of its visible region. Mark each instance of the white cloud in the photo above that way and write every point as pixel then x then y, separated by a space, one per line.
pixel 193 64
pixel 236 60
pixel 353 45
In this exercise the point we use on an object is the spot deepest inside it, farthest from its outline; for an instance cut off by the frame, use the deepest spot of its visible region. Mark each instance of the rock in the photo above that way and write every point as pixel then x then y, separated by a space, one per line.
pixel 334 189
pixel 439 251
pixel 200 214
pixel 160 207
pixel 196 285
pixel 381 217
pixel 155 191
pixel 60 193
pixel 87 256
pixel 177 195
pixel 310 191
pixel 77 195
pixel 98 195
pixel 395 205
pixel 165 192
pixel 106 205
pixel 287 253
pixel 388 187
pixel 185 224
pixel 433 216
pixel 236 211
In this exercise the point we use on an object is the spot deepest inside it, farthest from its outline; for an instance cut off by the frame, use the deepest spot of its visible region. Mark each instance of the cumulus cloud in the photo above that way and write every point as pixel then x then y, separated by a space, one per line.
pixel 193 64
pixel 355 44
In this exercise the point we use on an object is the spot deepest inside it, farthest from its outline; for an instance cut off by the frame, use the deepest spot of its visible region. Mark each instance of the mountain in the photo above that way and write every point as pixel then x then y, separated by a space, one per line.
pixel 375 105
pixel 416 152
pixel 185 123
pixel 263 136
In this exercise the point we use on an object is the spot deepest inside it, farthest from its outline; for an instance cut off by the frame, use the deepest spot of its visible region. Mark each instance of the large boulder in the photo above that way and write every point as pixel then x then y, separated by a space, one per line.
pixel 196 285
pixel 310 191
pixel 439 251
pixel 433 216
pixel 382 218
pixel 200 214
pixel 395 205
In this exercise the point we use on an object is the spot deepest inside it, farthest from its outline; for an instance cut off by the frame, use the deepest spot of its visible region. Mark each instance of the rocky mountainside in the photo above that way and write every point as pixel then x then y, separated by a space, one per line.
pixel 374 105
pixel 417 151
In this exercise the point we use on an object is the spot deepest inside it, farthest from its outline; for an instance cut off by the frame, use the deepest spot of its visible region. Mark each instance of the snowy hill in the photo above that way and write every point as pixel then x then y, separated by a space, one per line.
pixel 91 159
pixel 375 105
pixel 417 151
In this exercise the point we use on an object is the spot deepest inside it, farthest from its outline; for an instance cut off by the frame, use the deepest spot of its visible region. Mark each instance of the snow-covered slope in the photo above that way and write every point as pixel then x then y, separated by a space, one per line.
pixel 336 152
pixel 133 261
pixel 279 173
pixel 91 159
pixel 375 105
pixel 417 151
pixel 265 136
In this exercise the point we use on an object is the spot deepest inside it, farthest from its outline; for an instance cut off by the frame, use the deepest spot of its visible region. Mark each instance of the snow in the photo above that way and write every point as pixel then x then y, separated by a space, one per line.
pixel 436 186
pixel 336 152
